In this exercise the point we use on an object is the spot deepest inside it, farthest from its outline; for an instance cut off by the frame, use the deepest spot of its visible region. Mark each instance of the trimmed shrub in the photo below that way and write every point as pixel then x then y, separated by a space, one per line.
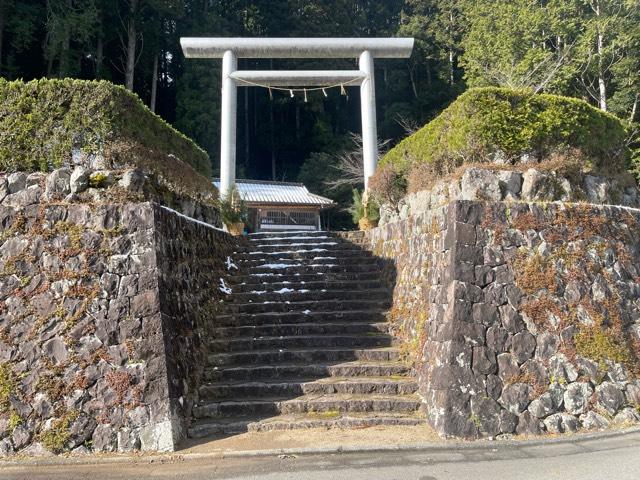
pixel 488 122
pixel 43 122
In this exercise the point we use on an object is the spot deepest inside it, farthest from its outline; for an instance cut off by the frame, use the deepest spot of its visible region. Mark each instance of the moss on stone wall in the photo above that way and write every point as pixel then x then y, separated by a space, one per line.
pixel 604 344
pixel 43 121
pixel 577 265
pixel 489 121
pixel 6 386
pixel 91 288
pixel 55 439
pixel 532 321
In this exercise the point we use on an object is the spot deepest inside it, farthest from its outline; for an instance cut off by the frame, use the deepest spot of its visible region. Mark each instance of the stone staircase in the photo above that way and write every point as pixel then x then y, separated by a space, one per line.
pixel 302 342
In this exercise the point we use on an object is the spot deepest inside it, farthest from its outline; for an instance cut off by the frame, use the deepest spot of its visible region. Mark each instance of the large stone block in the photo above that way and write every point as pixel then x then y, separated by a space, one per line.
pixel 507 366
pixel 58 184
pixel 576 397
pixel 479 184
pixel 523 346
pixel 561 423
pixel 486 415
pixel 484 361
pixel 609 397
pixel 486 314
pixel 528 424
pixel 516 397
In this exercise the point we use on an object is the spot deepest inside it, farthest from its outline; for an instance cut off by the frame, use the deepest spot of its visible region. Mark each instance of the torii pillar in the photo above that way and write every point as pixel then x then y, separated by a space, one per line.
pixel 230 49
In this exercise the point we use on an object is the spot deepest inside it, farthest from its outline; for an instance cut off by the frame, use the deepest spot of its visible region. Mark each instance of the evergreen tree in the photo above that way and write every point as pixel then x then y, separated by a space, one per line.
pixel 608 48
pixel 21 24
pixel 509 43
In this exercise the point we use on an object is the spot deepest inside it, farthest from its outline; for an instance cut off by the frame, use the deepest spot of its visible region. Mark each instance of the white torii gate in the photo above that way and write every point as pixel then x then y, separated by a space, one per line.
pixel 230 49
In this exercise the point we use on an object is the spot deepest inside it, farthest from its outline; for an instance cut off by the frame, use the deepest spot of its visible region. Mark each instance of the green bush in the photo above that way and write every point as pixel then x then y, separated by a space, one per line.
pixel 486 120
pixel 42 121
pixel 233 209
pixel 359 210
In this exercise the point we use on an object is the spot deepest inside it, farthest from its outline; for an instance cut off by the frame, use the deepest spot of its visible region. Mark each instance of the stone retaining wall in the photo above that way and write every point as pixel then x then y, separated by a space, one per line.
pixel 520 317
pixel 100 307
pixel 190 261
pixel 82 184
pixel 496 183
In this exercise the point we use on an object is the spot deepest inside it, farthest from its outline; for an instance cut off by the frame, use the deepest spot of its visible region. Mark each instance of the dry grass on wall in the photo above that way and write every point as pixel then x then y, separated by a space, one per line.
pixel 581 249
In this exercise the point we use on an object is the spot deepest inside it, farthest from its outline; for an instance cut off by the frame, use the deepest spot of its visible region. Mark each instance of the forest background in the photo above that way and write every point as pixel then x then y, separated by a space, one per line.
pixel 588 49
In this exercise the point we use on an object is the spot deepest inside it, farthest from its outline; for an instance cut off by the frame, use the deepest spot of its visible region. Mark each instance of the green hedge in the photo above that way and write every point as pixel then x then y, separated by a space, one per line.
pixel 485 120
pixel 42 121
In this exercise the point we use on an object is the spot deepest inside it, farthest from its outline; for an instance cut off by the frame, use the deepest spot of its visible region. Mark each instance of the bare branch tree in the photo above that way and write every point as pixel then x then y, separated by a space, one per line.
pixel 349 163
pixel 409 125
pixel 553 69
pixel 536 78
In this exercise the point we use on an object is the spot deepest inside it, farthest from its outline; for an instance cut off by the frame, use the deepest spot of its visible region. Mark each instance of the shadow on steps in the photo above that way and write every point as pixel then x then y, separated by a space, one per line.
pixel 304 342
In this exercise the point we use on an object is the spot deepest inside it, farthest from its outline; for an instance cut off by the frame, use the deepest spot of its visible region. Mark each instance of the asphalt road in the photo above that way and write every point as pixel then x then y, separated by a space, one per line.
pixel 614 458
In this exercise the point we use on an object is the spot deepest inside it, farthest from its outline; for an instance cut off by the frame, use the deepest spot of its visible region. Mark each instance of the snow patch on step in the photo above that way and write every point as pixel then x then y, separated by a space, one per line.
pixel 224 288
pixel 300 244
pixel 279 266
pixel 280 252
pixel 289 231
pixel 230 264
pixel 284 290
pixel 296 237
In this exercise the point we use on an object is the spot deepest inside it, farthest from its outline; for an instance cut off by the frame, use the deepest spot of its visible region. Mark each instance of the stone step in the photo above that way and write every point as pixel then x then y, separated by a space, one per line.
pixel 303 342
pixel 307 370
pixel 299 254
pixel 312 285
pixel 305 295
pixel 318 316
pixel 338 354
pixel 288 329
pixel 314 403
pixel 205 428
pixel 324 386
pixel 245 344
pixel 317 268
pixel 290 235
pixel 322 248
pixel 279 276
pixel 299 306
pixel 318 260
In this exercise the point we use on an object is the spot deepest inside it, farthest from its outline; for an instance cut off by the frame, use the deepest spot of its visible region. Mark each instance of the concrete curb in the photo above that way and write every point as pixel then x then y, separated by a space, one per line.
pixel 426 447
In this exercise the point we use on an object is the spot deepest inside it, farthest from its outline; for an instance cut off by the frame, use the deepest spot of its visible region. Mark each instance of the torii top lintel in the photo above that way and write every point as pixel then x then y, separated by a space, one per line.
pixel 212 47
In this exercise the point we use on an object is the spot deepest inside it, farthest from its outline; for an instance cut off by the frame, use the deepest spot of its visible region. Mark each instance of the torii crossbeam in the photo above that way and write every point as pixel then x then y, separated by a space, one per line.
pixel 230 49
